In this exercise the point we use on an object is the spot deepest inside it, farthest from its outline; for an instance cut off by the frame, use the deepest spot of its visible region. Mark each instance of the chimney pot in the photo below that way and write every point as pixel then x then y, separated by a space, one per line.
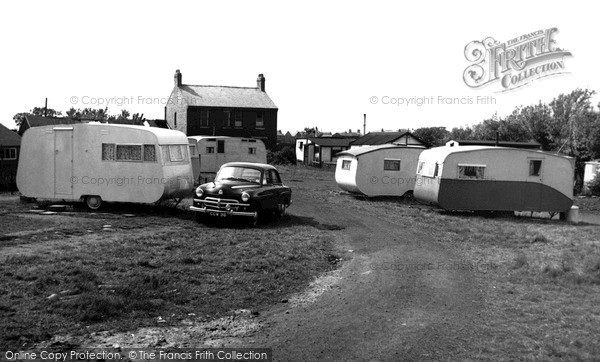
pixel 260 82
pixel 177 78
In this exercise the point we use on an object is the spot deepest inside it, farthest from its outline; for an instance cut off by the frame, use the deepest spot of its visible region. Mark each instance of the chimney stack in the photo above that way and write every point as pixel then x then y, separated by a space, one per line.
pixel 260 82
pixel 177 78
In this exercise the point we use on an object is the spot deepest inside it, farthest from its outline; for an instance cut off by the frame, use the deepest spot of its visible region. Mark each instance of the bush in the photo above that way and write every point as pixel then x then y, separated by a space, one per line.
pixel 285 156
pixel 594 185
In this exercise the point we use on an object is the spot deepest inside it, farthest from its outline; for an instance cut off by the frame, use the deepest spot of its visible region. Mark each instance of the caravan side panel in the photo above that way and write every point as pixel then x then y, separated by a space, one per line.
pixel 35 173
pixel 373 179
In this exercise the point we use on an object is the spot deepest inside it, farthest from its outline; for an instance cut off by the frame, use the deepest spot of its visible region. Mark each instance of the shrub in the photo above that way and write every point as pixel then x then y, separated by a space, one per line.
pixel 594 185
pixel 285 156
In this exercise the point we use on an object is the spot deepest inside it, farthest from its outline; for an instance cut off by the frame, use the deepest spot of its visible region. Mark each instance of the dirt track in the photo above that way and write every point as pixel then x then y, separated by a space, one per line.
pixel 427 308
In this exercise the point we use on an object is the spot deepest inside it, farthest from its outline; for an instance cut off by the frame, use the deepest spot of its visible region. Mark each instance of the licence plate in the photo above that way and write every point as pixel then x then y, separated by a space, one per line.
pixel 217 214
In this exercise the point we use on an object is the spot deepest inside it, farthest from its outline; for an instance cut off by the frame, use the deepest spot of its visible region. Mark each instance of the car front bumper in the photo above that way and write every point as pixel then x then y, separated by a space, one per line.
pixel 221 207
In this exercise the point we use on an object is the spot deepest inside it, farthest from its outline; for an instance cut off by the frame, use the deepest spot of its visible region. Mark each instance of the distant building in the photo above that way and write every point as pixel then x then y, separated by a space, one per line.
pixel 591 170
pixel 382 138
pixel 10 149
pixel 319 151
pixel 206 110
pixel 285 139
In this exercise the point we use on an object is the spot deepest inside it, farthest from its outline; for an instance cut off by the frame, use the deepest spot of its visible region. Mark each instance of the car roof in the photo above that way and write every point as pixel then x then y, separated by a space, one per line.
pixel 262 166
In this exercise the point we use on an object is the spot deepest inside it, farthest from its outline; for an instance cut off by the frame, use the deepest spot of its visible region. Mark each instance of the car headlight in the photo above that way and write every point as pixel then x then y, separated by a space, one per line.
pixel 199 191
pixel 245 196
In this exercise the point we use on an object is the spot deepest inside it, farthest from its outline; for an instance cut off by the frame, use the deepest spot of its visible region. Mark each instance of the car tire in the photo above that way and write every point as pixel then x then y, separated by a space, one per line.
pixel 93 202
pixel 257 218
pixel 281 206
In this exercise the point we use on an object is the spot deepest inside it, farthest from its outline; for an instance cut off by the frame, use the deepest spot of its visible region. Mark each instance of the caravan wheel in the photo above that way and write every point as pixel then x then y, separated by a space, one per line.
pixel 93 202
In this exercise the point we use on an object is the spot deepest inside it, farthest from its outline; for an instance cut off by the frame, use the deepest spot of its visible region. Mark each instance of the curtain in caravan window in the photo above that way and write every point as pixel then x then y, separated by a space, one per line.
pixel 149 153
pixel 471 172
pixel 129 152
pixel 176 153
pixel 108 152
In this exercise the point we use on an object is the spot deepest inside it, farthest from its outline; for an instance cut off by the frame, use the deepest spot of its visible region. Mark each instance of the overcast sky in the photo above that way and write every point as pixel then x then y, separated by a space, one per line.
pixel 323 61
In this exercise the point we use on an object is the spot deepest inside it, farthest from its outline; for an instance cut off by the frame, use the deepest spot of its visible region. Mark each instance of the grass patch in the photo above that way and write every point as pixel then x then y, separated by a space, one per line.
pixel 157 267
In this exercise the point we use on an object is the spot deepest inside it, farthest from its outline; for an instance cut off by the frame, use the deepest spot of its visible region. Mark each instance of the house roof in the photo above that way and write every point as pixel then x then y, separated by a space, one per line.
pixel 8 137
pixel 36 121
pixel 529 145
pixel 331 142
pixel 381 138
pixel 368 149
pixel 224 96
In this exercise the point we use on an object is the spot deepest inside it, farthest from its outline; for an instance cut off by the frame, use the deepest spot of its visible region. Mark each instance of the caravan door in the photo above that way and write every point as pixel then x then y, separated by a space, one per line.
pixel 63 161
pixel 532 196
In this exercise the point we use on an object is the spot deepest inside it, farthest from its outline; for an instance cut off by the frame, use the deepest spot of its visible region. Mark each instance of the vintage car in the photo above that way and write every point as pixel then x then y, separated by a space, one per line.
pixel 245 189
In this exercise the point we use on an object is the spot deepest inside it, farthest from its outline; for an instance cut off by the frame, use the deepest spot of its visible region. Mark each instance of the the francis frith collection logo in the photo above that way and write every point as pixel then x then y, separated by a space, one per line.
pixel 516 62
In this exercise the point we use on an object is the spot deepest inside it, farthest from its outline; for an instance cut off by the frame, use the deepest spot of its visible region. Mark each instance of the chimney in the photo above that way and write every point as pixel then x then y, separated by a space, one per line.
pixel 260 82
pixel 177 78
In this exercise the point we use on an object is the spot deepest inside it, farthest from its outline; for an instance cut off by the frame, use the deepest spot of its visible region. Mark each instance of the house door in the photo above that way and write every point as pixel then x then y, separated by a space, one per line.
pixel 63 161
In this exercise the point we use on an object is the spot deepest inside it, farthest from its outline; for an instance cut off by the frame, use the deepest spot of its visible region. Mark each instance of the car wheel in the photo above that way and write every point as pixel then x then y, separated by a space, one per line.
pixel 93 202
pixel 281 206
pixel 257 218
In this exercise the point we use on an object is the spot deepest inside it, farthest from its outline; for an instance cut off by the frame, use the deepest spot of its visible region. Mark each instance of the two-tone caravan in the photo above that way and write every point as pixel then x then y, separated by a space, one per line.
pixel 384 170
pixel 209 153
pixel 495 179
pixel 96 162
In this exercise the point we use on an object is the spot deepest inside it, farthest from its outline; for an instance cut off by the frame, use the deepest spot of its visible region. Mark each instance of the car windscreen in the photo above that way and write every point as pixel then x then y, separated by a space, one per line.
pixel 237 173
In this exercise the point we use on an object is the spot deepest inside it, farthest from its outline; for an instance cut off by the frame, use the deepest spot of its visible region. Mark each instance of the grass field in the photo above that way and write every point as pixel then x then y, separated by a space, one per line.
pixel 69 273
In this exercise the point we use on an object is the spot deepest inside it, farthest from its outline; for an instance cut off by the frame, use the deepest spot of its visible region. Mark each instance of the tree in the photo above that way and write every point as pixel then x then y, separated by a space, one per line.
pixel 36 111
pixel 432 136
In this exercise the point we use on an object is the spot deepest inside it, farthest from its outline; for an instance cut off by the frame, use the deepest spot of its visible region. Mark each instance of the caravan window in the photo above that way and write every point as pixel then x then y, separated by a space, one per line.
pixel 129 152
pixel 210 149
pixel 108 152
pixel 346 164
pixel 174 153
pixel 192 150
pixel 220 146
pixel 149 153
pixel 476 172
pixel 428 169
pixel 535 167
pixel 391 165
pixel 420 167
pixel 252 150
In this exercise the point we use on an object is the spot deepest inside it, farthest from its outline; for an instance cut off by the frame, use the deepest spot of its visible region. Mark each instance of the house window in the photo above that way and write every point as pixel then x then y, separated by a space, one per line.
pixel 204 118
pixel 346 164
pixel 175 119
pixel 210 149
pixel 149 153
pixel 391 165
pixel 252 150
pixel 220 146
pixel 238 119
pixel 260 120
pixel 471 172
pixel 129 152
pixel 9 153
pixel 301 145
pixel 535 167
pixel 227 120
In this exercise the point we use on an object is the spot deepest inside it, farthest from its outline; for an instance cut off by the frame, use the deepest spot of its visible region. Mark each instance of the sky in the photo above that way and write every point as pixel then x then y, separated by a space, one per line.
pixel 326 64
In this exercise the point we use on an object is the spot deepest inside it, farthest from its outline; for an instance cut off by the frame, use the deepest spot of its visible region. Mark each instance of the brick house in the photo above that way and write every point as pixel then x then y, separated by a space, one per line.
pixel 10 148
pixel 205 110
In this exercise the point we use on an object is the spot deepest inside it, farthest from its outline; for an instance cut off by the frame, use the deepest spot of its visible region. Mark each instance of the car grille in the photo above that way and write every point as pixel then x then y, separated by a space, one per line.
pixel 214 203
